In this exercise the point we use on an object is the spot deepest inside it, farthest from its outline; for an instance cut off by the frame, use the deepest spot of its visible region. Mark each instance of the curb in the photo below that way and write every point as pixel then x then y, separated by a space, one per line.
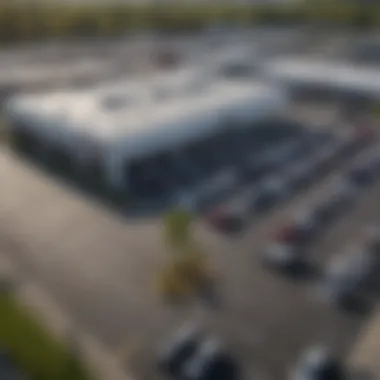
pixel 101 363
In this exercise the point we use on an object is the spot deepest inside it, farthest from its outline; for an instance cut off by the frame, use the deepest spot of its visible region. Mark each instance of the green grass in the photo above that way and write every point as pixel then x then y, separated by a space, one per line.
pixel 37 353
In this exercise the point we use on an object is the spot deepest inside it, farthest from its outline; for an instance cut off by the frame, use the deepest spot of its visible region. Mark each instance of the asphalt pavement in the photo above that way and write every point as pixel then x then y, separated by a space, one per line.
pixel 103 269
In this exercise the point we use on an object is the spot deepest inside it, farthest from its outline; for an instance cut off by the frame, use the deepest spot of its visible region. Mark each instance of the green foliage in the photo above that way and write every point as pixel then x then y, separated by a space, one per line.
pixel 20 23
pixel 39 355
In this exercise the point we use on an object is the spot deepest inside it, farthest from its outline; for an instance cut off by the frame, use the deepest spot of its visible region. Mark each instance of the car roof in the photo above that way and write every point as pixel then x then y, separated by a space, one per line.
pixel 317 356
pixel 210 347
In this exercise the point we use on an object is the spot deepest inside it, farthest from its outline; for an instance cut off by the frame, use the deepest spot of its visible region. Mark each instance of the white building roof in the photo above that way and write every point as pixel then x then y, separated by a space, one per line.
pixel 238 53
pixel 15 73
pixel 143 127
pixel 186 119
pixel 339 76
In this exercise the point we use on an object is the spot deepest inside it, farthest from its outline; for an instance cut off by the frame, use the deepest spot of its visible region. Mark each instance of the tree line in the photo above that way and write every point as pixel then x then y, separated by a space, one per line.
pixel 24 23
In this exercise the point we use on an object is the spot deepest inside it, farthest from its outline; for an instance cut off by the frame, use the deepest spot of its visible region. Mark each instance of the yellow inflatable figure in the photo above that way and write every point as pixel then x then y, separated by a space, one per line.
pixel 177 226
pixel 185 275
pixel 188 270
pixel 173 285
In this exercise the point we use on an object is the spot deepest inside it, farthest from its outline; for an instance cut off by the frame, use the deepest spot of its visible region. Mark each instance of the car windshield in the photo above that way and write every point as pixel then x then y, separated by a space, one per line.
pixel 331 371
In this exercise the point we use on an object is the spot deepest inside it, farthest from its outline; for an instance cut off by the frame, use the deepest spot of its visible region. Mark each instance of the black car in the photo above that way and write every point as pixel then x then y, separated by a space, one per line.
pixel 211 362
pixel 181 348
pixel 318 364
pixel 301 175
pixel 361 175
pixel 336 203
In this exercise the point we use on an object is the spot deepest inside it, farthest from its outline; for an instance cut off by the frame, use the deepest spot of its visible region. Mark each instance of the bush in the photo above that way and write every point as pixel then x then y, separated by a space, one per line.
pixel 39 356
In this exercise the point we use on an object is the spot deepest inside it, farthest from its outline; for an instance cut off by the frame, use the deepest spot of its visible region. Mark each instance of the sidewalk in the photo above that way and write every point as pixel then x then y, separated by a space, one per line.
pixel 103 365
pixel 366 355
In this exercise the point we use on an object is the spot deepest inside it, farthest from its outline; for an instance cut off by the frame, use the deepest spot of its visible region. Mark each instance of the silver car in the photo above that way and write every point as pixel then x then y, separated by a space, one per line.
pixel 317 363
pixel 346 274
pixel 282 255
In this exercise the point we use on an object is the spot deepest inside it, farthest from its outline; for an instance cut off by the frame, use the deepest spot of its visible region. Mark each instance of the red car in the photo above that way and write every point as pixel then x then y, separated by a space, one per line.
pixel 298 232
pixel 226 219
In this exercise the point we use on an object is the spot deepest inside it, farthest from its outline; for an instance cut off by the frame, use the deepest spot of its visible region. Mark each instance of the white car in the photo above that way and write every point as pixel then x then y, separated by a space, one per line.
pixel 346 274
pixel 318 364
pixel 282 255
pixel 235 214
pixel 289 247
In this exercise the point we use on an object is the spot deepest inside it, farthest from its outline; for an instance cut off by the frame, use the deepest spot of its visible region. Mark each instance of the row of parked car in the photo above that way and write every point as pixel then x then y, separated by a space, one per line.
pixel 292 242
pixel 191 355
pixel 280 173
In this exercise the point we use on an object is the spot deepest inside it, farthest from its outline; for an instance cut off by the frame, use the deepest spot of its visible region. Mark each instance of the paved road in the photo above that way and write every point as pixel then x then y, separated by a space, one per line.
pixel 103 268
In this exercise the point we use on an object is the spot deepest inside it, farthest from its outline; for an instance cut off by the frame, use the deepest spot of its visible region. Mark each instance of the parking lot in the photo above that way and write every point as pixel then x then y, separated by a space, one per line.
pixel 103 269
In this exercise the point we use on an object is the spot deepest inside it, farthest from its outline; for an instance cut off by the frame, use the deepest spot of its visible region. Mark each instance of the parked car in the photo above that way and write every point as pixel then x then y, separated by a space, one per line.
pixel 342 195
pixel 371 239
pixel 317 363
pixel 325 159
pixel 179 350
pixel 289 247
pixel 268 192
pixel 283 256
pixel 211 362
pixel 364 135
pixel 299 231
pixel 215 188
pixel 274 158
pixel 361 174
pixel 374 161
pixel 301 174
pixel 226 219
pixel 323 138
pixel 347 274
pixel 232 216
pixel 346 145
